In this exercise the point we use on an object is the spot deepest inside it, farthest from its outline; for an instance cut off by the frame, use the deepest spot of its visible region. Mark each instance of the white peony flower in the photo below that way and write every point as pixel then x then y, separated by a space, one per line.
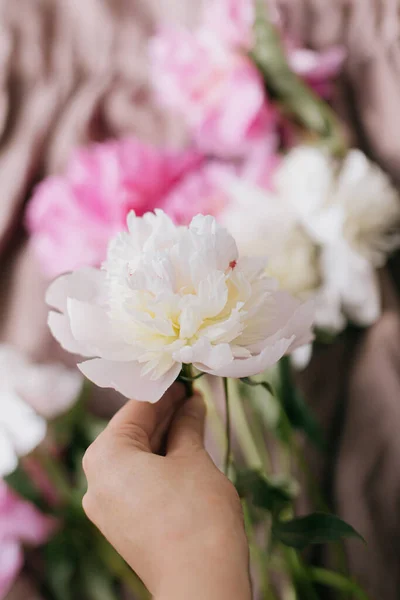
pixel 24 388
pixel 352 212
pixel 169 296
pixel 263 225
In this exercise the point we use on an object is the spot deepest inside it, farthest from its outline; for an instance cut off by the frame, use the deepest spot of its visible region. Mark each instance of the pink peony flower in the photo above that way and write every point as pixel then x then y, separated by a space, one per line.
pixel 72 217
pixel 232 21
pixel 318 69
pixel 219 91
pixel 200 192
pixel 206 190
pixel 20 523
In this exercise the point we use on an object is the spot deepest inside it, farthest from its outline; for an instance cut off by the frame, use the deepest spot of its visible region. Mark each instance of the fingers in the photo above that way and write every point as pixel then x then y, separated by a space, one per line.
pixel 137 427
pixel 187 428
pixel 144 425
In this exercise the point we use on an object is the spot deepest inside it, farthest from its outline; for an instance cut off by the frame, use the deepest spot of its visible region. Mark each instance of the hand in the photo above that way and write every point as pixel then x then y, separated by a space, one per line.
pixel 176 519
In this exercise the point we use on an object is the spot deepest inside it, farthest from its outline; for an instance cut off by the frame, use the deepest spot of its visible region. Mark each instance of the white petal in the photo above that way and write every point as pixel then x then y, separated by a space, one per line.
pixel 293 319
pixel 91 327
pixel 300 325
pixel 204 355
pixel 305 179
pixel 351 281
pixel 84 285
pixel 8 456
pixel 256 364
pixel 329 314
pixel 361 297
pixel 61 330
pixel 126 378
pixel 25 428
pixel 50 389
pixel 326 226
pixel 301 357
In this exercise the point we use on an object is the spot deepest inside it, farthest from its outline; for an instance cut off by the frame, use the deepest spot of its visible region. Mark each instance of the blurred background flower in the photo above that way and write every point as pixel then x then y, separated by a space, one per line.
pixel 72 216
pixel 30 394
pixel 21 524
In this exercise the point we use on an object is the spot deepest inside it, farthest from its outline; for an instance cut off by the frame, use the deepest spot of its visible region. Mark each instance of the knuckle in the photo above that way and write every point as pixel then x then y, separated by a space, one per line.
pixel 88 506
pixel 88 459
pixel 95 456
pixel 234 497
pixel 136 435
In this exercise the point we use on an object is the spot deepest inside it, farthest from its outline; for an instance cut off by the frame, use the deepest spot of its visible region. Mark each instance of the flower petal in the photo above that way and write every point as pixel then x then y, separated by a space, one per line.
pixel 60 328
pixel 11 560
pixel 84 285
pixel 25 428
pixel 8 456
pixel 248 367
pixel 300 325
pixel 301 357
pixel 361 296
pixel 91 327
pixel 50 389
pixel 21 520
pixel 204 355
pixel 126 378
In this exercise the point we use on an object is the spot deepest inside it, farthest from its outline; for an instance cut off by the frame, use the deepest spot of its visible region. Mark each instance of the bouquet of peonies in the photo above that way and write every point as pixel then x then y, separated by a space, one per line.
pixel 231 259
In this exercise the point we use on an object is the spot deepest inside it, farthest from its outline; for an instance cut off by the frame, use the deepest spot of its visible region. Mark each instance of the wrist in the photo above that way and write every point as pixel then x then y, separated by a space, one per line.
pixel 215 567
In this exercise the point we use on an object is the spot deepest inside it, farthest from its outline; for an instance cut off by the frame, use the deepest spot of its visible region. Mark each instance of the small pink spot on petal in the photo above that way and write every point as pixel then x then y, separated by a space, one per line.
pixel 233 264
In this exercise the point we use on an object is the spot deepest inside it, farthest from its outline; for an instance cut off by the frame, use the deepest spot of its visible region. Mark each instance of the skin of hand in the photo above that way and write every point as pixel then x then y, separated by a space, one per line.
pixel 176 519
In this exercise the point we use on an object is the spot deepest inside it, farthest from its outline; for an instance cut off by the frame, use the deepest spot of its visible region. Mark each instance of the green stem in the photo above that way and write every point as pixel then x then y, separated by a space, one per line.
pixel 213 416
pixel 245 436
pixel 296 97
pixel 300 575
pixel 258 434
pixel 260 557
pixel 187 379
pixel 337 581
pixel 227 427
pixel 297 451
pixel 56 474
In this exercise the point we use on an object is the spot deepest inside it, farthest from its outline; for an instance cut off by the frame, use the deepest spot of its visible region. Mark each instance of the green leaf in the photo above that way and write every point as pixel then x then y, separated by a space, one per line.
pixel 263 492
pixel 296 97
pixel 266 405
pixel 296 408
pixel 317 528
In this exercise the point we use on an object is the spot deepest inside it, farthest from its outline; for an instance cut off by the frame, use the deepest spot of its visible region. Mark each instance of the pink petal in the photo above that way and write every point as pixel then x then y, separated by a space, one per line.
pixel 21 521
pixel 11 560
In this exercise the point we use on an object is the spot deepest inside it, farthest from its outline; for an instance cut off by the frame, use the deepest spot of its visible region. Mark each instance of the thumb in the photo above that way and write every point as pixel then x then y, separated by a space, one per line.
pixel 187 428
